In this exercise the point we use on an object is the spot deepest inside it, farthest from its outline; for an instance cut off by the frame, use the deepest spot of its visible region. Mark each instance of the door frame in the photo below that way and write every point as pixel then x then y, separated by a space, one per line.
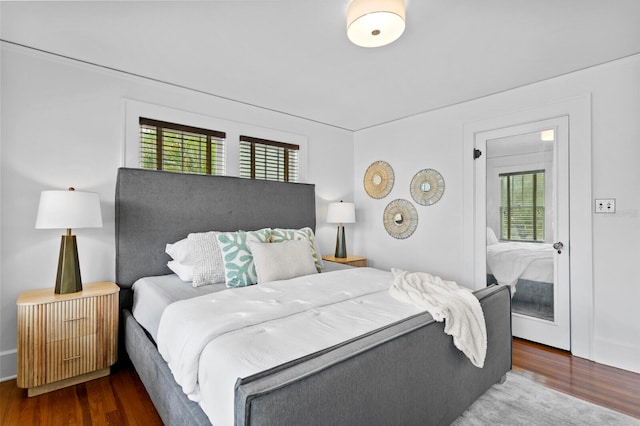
pixel 578 110
pixel 556 333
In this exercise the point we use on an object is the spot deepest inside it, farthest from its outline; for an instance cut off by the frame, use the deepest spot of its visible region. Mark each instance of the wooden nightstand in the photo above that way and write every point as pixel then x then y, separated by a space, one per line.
pixel 358 261
pixel 65 339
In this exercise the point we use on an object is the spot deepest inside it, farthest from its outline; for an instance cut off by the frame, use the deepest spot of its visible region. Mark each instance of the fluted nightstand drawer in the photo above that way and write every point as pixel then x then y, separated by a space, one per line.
pixel 71 318
pixel 71 357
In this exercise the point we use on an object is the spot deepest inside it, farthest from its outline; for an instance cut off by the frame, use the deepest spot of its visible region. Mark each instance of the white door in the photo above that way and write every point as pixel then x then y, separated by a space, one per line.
pixel 522 200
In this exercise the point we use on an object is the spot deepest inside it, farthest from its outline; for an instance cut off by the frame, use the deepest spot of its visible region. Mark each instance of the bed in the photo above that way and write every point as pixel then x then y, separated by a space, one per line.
pixel 528 269
pixel 405 372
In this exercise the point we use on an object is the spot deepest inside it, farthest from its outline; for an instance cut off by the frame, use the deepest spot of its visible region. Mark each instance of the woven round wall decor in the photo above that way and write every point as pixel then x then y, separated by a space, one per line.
pixel 427 187
pixel 400 219
pixel 378 179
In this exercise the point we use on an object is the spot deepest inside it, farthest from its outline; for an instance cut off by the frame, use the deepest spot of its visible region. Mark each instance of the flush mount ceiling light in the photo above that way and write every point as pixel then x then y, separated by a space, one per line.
pixel 375 23
pixel 547 135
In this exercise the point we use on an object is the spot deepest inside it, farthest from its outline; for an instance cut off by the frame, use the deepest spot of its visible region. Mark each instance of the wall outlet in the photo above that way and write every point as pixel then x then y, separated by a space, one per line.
pixel 605 205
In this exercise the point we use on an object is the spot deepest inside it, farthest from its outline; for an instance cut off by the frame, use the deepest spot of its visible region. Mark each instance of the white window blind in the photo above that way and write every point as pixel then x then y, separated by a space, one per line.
pixel 522 206
pixel 179 148
pixel 268 160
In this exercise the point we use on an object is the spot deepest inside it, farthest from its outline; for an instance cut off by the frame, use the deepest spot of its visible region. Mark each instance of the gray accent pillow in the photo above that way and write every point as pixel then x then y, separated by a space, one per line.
pixel 278 235
pixel 281 261
pixel 208 267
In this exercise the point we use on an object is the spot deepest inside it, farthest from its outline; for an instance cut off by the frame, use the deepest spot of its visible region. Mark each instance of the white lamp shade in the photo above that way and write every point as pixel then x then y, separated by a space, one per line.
pixel 68 209
pixel 375 23
pixel 341 213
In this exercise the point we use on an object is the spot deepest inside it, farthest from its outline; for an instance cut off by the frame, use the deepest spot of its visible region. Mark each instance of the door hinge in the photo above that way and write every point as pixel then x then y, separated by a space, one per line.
pixel 476 153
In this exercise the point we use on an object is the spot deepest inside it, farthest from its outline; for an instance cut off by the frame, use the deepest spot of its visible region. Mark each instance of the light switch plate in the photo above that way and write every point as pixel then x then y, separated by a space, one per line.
pixel 605 205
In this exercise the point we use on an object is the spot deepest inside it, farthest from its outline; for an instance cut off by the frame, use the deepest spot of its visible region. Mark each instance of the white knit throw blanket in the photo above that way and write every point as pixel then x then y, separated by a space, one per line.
pixel 445 300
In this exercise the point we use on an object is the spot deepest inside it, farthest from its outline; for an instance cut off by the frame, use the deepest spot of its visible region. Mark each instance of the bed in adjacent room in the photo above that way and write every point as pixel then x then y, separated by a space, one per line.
pixel 309 344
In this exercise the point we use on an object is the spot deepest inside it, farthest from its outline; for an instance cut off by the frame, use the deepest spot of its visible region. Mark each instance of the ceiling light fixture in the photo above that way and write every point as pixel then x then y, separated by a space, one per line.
pixel 375 23
pixel 547 135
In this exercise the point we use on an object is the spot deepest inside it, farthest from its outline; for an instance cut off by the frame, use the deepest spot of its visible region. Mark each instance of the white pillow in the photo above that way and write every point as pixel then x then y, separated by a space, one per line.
pixel 208 267
pixel 181 251
pixel 281 261
pixel 184 272
pixel 491 236
pixel 278 235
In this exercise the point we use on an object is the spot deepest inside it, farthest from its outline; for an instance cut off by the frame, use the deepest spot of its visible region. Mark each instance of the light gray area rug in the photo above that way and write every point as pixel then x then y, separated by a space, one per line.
pixel 521 401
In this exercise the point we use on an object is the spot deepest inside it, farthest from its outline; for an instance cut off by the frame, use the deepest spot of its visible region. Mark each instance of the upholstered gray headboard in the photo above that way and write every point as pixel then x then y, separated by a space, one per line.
pixel 154 208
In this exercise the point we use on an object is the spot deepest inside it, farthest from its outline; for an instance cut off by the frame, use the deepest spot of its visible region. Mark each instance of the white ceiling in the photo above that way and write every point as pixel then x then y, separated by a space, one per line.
pixel 293 56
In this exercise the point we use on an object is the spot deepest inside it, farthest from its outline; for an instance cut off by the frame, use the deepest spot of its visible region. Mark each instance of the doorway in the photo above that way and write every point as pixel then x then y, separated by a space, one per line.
pixel 522 202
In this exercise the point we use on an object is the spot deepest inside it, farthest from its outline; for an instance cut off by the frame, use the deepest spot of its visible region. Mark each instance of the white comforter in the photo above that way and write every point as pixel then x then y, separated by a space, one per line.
pixel 211 341
pixel 508 261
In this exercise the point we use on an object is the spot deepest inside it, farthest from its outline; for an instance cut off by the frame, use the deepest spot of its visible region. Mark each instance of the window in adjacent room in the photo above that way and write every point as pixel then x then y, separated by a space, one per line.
pixel 522 206
pixel 179 148
pixel 269 160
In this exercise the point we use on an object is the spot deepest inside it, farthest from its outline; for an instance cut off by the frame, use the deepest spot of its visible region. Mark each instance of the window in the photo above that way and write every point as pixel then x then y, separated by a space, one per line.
pixel 179 148
pixel 269 160
pixel 522 206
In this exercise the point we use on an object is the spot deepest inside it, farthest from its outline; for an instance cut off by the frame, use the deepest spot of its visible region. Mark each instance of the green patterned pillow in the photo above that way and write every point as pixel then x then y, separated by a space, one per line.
pixel 239 268
pixel 278 235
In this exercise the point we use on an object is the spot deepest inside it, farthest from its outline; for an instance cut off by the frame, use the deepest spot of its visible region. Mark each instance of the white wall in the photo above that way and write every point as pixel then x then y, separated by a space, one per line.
pixel 63 125
pixel 435 140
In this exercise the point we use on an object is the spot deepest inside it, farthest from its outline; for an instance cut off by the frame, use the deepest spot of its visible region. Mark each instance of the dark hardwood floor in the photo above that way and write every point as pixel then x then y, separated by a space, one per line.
pixel 597 383
pixel 120 399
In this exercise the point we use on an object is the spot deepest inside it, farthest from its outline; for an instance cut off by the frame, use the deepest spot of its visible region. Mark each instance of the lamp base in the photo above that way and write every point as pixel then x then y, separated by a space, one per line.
pixel 341 245
pixel 68 278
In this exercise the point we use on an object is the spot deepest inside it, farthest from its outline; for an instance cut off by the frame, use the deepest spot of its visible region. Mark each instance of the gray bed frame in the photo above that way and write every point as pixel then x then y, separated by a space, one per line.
pixel 407 373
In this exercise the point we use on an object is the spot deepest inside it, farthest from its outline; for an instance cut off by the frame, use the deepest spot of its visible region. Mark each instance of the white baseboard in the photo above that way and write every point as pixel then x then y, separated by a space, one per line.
pixel 8 365
pixel 617 354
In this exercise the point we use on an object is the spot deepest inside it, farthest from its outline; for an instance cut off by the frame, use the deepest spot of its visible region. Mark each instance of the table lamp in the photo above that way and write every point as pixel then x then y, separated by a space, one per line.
pixel 68 209
pixel 341 213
